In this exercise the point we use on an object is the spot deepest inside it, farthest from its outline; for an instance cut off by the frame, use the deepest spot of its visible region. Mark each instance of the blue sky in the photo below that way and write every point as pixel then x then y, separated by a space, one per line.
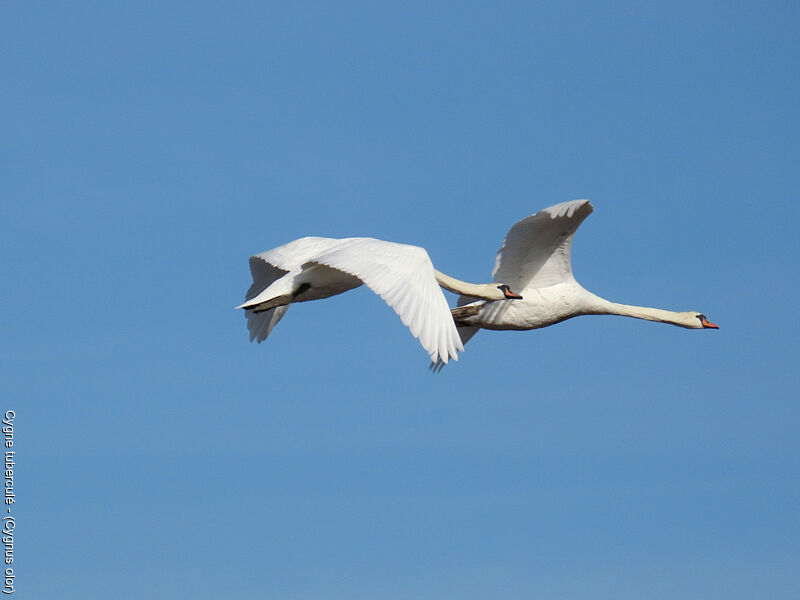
pixel 149 148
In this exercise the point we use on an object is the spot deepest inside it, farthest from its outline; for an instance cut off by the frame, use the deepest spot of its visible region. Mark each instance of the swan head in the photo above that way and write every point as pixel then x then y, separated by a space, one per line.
pixel 705 323
pixel 507 293
pixel 696 320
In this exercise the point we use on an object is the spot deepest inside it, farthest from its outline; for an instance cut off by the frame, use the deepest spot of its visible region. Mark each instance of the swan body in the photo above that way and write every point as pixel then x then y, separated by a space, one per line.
pixel 535 260
pixel 312 268
pixel 559 302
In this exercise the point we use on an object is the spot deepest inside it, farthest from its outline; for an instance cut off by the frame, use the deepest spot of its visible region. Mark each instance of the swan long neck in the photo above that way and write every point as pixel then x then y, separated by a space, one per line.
pixel 605 307
pixel 485 291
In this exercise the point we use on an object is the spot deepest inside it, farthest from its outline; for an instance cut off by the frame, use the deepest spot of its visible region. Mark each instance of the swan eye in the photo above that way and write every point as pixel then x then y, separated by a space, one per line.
pixel 701 317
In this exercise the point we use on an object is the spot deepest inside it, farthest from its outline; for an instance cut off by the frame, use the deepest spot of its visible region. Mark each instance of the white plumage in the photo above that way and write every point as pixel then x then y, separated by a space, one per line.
pixel 536 250
pixel 535 261
pixel 312 268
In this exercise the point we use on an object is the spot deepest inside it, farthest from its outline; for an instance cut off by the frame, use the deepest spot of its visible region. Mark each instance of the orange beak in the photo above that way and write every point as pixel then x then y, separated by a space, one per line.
pixel 511 295
pixel 708 325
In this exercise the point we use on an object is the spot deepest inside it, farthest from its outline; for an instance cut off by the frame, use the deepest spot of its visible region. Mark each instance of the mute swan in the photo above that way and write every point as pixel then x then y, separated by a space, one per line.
pixel 535 260
pixel 312 268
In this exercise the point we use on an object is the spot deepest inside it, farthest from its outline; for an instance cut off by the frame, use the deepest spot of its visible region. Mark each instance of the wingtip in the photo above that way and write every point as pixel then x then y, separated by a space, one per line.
pixel 568 208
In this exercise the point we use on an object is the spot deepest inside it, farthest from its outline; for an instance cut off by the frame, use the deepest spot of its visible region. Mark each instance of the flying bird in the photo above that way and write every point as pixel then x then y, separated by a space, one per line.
pixel 312 268
pixel 535 261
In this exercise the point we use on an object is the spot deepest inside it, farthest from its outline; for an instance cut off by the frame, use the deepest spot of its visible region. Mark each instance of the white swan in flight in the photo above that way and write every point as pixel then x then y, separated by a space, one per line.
pixel 313 268
pixel 535 261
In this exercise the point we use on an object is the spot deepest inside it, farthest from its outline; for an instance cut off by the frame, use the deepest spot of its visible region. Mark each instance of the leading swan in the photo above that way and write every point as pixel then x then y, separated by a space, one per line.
pixel 535 261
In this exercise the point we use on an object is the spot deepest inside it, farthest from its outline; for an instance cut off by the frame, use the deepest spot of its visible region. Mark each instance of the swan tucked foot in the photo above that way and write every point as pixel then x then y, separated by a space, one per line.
pixel 470 310
pixel 269 304
pixel 259 306
pixel 461 312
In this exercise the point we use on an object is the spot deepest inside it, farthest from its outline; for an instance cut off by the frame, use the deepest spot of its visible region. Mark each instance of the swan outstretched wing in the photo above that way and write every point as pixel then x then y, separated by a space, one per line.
pixel 403 276
pixel 536 251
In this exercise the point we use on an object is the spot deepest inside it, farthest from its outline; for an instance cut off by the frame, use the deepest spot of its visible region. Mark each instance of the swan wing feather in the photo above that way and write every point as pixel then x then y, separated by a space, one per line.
pixel 403 276
pixel 269 265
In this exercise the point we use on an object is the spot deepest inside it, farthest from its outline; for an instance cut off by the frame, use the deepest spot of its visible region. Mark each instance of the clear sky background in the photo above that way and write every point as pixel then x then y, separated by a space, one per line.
pixel 149 148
